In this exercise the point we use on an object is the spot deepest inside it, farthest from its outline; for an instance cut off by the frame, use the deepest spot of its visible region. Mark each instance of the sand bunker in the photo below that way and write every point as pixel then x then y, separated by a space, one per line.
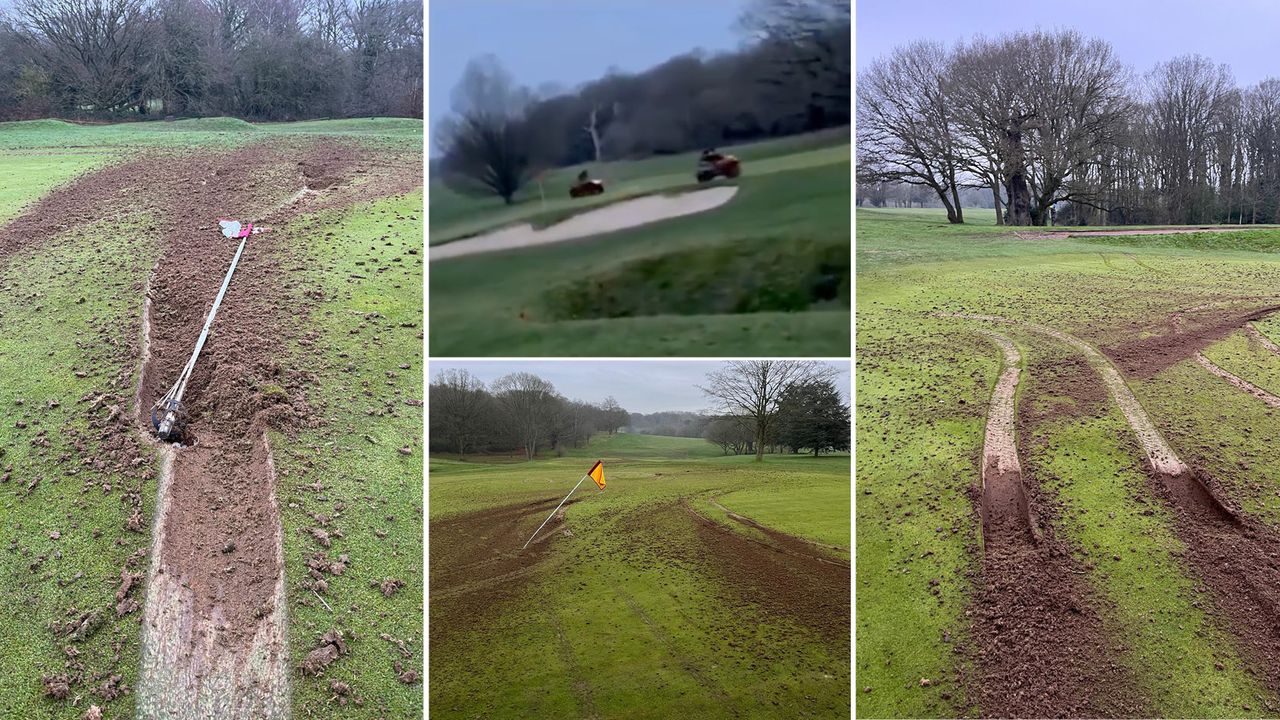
pixel 611 218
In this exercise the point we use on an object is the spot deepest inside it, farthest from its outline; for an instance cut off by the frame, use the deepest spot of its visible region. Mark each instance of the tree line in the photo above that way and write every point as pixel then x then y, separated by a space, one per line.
pixel 762 406
pixel 253 59
pixel 1057 130
pixel 518 413
pixel 809 416
pixel 793 76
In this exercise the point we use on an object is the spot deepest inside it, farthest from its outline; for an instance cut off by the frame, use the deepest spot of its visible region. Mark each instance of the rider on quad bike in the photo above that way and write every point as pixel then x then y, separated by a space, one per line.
pixel 713 163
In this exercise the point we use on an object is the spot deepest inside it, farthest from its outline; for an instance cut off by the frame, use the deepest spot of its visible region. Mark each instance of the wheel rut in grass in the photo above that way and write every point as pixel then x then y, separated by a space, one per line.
pixel 1236 557
pixel 1257 335
pixel 477 564
pixel 1038 641
pixel 1004 509
pixel 1238 381
pixel 796 581
pixel 214 625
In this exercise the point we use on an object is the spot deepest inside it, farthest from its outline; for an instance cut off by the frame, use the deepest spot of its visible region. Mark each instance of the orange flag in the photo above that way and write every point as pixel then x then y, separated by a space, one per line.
pixel 597 473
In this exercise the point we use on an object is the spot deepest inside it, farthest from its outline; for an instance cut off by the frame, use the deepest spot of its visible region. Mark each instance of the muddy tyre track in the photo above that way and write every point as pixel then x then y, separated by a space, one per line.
pixel 1235 556
pixel 806 586
pixel 477 566
pixel 1037 638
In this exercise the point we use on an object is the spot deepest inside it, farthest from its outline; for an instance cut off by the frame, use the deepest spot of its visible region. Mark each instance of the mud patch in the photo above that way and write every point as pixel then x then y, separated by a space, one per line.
pixel 803 585
pixel 1181 340
pixel 477 564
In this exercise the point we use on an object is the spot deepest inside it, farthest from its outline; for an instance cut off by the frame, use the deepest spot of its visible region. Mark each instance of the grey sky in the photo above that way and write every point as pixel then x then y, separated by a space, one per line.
pixel 644 386
pixel 568 41
pixel 1244 34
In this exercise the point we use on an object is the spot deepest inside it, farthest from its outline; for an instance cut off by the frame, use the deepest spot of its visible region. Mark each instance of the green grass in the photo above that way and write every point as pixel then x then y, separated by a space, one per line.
pixel 673 282
pixel 58 304
pixel 610 616
pixel 73 305
pixel 454 215
pixel 924 382
pixel 369 486
pixel 40 155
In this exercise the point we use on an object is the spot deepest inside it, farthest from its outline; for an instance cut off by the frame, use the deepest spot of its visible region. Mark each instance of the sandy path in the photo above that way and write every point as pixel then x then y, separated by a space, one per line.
pixel 1178 230
pixel 1238 381
pixel 1163 459
pixel 611 218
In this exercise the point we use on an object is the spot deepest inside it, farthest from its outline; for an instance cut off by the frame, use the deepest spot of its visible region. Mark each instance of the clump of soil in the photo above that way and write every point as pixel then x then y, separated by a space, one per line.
pixel 332 646
pixel 389 586
pixel 57 687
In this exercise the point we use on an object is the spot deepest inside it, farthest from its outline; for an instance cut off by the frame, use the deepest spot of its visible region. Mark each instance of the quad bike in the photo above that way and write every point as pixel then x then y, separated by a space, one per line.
pixel 586 187
pixel 713 165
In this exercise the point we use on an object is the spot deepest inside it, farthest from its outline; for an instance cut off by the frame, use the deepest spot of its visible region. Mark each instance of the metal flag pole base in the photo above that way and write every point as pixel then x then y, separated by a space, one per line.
pixel 553 512
pixel 171 402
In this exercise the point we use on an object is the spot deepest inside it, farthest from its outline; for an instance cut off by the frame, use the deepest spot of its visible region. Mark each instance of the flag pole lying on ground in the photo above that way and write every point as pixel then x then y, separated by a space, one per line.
pixel 596 473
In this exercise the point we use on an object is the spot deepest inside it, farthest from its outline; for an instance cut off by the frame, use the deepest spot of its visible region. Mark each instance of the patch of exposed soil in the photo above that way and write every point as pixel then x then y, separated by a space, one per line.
pixel 1143 357
pixel 1038 641
pixel 793 580
pixel 1235 556
pixel 477 563
pixel 1004 501
pixel 209 610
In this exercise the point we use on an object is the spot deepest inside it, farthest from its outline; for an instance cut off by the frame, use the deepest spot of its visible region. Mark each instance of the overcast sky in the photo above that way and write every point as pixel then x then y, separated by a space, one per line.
pixel 643 386
pixel 568 41
pixel 1244 34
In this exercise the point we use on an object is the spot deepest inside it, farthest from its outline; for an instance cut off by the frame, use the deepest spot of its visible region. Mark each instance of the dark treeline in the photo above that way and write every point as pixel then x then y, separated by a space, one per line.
pixel 809 417
pixel 254 59
pixel 518 413
pixel 1056 130
pixel 794 76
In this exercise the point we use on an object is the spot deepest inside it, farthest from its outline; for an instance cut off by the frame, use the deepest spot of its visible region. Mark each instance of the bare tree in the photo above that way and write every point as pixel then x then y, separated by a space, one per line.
pixel 92 47
pixel 461 409
pixel 528 402
pixel 906 124
pixel 1043 108
pixel 752 388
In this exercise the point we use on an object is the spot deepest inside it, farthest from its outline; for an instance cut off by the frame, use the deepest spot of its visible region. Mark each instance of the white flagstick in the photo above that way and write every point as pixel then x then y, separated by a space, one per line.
pixel 553 512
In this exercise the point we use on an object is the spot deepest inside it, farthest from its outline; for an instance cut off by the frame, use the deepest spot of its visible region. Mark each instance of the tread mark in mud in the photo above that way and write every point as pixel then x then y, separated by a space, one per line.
pixel 1004 509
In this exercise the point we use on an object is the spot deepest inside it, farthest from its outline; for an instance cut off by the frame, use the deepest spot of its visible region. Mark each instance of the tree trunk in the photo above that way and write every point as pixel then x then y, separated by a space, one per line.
pixel 995 198
pixel 1016 178
pixel 759 444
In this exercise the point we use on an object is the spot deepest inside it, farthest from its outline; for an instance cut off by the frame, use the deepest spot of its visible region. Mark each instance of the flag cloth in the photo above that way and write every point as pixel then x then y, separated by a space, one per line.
pixel 597 473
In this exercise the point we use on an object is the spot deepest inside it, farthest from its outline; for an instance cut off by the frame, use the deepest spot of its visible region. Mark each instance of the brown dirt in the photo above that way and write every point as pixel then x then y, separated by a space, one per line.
pixel 223 485
pixel 793 579
pixel 1143 357
pixel 477 564
pixel 1235 556
pixel 1038 640
pixel 1003 508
